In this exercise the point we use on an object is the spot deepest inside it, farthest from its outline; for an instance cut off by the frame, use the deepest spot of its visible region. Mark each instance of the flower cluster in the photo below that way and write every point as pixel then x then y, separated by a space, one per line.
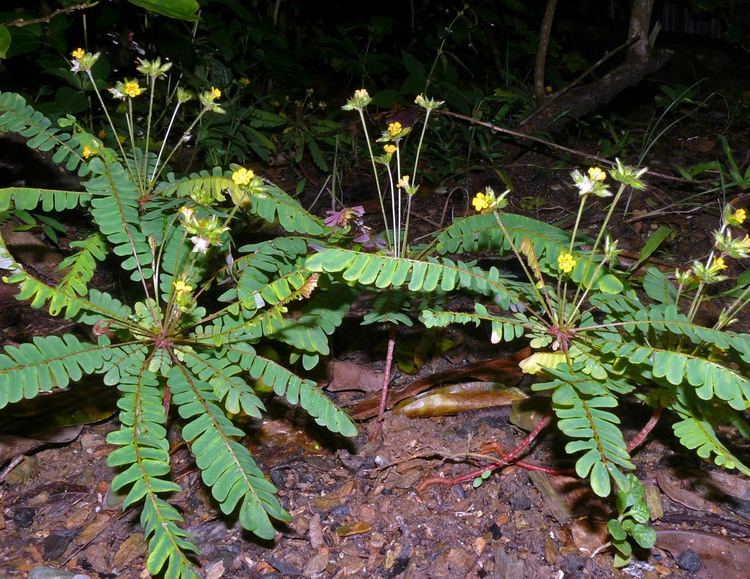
pixel 591 183
pixel 344 216
pixel 247 183
pixel 709 272
pixel 737 218
pixel 566 262
pixel 394 133
pixel 126 89
pixel 405 184
pixel 183 293
pixel 359 101
pixel 485 201
pixel 428 104
pixel 629 176
pixel 153 68
pixel 204 232
pixel 82 61
pixel 208 100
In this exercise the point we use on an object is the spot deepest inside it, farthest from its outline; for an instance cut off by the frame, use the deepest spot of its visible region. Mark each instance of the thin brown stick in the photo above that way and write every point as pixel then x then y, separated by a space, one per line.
pixel 43 19
pixel 638 439
pixel 386 381
pixel 541 51
pixel 549 144
pixel 509 457
pixel 11 465
pixel 580 78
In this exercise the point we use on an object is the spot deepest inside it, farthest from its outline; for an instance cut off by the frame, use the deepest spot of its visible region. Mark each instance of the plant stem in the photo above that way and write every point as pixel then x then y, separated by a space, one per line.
pixel 163 145
pixel 131 129
pixel 599 236
pixel 111 124
pixel 182 139
pixel 148 128
pixel 375 174
pixel 386 380
pixel 542 299
pixel 638 439
pixel 504 460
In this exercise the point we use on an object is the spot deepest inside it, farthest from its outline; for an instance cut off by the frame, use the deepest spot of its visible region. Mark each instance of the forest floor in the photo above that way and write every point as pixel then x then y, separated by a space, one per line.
pixel 356 507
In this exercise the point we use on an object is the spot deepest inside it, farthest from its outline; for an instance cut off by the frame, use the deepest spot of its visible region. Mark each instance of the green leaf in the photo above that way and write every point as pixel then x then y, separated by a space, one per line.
pixel 4 41
pixel 179 9
pixel 654 242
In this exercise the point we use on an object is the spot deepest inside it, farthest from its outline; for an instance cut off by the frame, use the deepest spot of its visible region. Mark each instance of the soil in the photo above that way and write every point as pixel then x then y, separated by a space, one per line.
pixel 356 508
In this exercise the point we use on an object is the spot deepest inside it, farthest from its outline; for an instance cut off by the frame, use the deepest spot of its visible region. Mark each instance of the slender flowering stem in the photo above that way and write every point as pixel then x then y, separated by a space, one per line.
pixel 148 128
pixel 586 279
pixel 163 144
pixel 111 124
pixel 375 174
pixel 179 143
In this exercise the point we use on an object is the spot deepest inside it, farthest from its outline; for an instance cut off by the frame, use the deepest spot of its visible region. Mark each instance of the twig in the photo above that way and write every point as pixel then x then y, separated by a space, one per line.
pixel 550 144
pixel 579 79
pixel 13 464
pixel 27 22
pixel 386 381
pixel 638 439
pixel 511 456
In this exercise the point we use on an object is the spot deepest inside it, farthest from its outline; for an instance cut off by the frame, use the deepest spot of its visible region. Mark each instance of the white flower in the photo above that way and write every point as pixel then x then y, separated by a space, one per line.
pixel 200 244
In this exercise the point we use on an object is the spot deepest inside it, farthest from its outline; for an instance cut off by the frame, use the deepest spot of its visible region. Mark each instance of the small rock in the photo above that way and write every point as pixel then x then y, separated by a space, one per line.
pixel 316 565
pixel 340 511
pixel 520 502
pixel 572 564
pixel 52 573
pixel 56 542
pixel 23 517
pixel 215 570
pixel 689 560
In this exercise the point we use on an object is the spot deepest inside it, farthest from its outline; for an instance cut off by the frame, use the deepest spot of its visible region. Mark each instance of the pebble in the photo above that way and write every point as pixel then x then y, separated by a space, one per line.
pixel 572 564
pixel 520 502
pixel 52 573
pixel 340 511
pixel 689 560
pixel 23 517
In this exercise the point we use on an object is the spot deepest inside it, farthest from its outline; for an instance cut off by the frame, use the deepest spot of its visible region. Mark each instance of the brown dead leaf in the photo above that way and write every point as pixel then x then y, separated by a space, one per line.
pixel 354 529
pixel 504 370
pixel 130 549
pixel 720 556
pixel 346 375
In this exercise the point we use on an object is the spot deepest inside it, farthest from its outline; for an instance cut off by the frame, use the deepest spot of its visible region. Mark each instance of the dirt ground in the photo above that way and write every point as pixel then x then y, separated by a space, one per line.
pixel 357 511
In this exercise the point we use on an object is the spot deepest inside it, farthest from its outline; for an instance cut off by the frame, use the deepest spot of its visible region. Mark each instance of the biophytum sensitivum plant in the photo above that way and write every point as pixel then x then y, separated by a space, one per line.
pixel 178 341
pixel 598 332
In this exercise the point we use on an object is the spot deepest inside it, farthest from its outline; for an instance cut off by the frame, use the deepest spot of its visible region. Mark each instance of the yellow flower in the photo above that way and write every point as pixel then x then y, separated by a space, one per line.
pixel 180 287
pixel 215 93
pixel 242 176
pixel 483 201
pixel 121 139
pixel 596 174
pixel 244 81
pixel 132 89
pixel 718 265
pixel 394 129
pixel 548 89
pixel 739 216
pixel 566 262
pixel 390 149
pixel 102 134
pixel 87 152
pixel 78 53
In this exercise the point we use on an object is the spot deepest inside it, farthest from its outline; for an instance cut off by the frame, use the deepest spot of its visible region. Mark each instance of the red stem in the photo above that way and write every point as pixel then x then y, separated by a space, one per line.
pixel 507 458
pixel 638 439
pixel 386 381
